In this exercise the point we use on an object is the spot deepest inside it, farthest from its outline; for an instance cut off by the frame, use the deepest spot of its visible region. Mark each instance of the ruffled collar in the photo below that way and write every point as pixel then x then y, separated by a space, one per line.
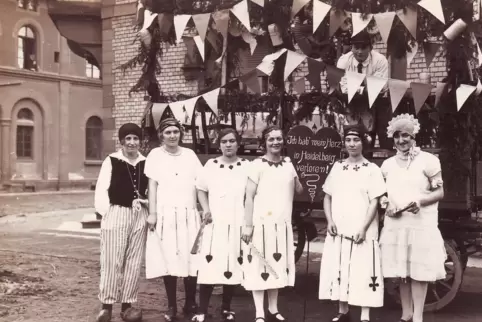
pixel 410 155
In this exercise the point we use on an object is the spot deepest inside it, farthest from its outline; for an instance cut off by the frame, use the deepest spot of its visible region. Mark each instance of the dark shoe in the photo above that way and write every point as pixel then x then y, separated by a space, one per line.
pixel 104 316
pixel 190 309
pixel 131 315
pixel 171 314
pixel 341 317
pixel 274 317
pixel 228 316
pixel 409 320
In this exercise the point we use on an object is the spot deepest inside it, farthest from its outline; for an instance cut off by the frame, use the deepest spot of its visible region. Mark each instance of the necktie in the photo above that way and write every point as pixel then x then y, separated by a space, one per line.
pixel 360 68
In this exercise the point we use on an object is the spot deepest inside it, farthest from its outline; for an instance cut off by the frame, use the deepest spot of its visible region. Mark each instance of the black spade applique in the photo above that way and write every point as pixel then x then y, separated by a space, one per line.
pixel 215 161
pixel 238 164
pixel 231 167
pixel 228 273
pixel 240 257
pixel 209 258
pixel 250 258
pixel 221 166
pixel 277 254
pixel 265 276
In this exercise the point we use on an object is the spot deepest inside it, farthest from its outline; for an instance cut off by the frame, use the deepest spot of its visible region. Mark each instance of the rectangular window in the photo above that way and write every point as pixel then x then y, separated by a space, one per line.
pixel 30 5
pixel 24 141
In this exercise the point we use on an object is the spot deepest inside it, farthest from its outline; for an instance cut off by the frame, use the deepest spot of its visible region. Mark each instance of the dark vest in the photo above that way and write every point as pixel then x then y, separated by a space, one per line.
pixel 121 189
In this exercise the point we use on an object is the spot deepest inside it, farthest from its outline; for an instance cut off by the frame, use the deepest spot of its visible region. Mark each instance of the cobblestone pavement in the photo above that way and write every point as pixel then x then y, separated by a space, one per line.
pixel 60 274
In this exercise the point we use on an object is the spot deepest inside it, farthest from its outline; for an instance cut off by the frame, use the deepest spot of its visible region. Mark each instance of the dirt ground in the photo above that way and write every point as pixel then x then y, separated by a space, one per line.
pixel 20 205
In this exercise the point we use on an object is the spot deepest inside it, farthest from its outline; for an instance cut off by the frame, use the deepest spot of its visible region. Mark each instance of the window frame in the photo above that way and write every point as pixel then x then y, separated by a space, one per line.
pixel 25 128
pixel 22 41
pixel 90 70
pixel 93 135
pixel 25 5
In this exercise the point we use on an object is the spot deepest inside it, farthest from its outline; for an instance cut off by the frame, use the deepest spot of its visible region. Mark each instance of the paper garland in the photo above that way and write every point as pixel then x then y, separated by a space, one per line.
pixel 201 21
pixel 180 23
pixel 420 92
pixel 463 93
pixel 241 12
pixel 211 99
pixel 409 18
pixel 397 88
pixel 359 23
pixel 200 45
pixel 353 80
pixel 374 87
pixel 434 7
pixel 384 22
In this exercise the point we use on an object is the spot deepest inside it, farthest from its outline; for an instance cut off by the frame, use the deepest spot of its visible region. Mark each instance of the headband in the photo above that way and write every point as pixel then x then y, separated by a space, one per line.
pixel 403 123
pixel 169 122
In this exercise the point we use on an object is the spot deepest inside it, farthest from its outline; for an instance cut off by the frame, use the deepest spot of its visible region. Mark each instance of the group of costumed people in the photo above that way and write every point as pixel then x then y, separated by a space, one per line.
pixel 246 218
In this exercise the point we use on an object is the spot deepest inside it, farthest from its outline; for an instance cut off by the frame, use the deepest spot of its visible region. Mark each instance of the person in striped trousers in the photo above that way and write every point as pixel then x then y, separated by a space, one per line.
pixel 121 200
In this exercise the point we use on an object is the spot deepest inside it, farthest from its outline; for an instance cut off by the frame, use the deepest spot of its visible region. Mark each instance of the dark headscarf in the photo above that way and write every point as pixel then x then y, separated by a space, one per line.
pixel 355 129
pixel 129 128
pixel 169 122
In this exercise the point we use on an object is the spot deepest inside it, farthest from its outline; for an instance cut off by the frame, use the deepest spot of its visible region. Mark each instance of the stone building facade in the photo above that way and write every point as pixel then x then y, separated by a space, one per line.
pixel 51 115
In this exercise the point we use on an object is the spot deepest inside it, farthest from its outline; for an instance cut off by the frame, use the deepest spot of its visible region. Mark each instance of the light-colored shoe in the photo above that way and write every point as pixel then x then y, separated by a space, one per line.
pixel 198 318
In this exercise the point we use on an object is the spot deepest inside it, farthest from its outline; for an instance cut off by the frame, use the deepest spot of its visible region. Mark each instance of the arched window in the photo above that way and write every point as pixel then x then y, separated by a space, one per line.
pixel 93 138
pixel 27 49
pixel 25 131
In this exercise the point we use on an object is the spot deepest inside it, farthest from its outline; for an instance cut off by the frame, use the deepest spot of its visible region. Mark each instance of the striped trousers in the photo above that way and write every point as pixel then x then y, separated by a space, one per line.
pixel 122 246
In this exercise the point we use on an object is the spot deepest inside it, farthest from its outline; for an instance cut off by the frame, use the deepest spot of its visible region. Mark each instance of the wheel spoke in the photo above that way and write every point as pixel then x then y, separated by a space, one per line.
pixel 445 284
pixel 434 292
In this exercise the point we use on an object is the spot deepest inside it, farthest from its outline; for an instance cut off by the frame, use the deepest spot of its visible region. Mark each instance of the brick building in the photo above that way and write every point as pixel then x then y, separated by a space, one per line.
pixel 118 21
pixel 51 115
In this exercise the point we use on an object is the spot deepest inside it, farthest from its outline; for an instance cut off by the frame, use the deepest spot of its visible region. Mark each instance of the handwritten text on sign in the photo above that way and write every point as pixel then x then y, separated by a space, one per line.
pixel 313 155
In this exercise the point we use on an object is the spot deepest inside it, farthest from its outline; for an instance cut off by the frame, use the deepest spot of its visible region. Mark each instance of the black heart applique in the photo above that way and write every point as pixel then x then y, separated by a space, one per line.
pixel 239 163
pixel 228 274
pixel 277 256
pixel 240 260
pixel 250 258
pixel 209 258
pixel 264 276
pixel 231 167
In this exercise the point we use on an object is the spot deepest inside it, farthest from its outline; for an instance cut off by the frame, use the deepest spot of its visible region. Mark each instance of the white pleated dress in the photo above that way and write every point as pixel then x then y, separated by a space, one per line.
pixel 221 253
pixel 412 245
pixel 178 220
pixel 351 272
pixel 273 232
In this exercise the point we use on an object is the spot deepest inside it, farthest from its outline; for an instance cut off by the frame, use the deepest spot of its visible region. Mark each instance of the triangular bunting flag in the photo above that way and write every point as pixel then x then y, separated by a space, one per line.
pixel 438 92
pixel 314 72
pixel 420 92
pixel 241 12
pixel 266 67
pixel 411 54
pixel 293 60
pixel 384 23
pixel 374 87
pixel 221 19
pixel 353 81
pixel 202 22
pixel 334 75
pixel 478 88
pixel 409 19
pixel 320 10
pixel 259 2
pixel 337 18
pixel 180 22
pixel 430 50
pixel 211 99
pixel 397 88
pixel 297 6
pixel 249 39
pixel 157 110
pixel 463 93
pixel 434 7
pixel 189 105
pixel 165 21
pixel 274 56
pixel 200 45
pixel 299 85
pixel 251 81
pixel 359 23
pixel 178 111
pixel 149 18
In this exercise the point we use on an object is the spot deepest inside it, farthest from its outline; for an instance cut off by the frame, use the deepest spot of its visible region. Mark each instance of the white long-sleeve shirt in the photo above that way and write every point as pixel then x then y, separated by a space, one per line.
pixel 375 65
pixel 101 197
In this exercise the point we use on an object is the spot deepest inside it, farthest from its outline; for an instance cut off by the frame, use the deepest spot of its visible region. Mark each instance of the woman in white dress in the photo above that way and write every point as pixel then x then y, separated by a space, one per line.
pixel 412 246
pixel 221 188
pixel 350 269
pixel 172 171
pixel 269 201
